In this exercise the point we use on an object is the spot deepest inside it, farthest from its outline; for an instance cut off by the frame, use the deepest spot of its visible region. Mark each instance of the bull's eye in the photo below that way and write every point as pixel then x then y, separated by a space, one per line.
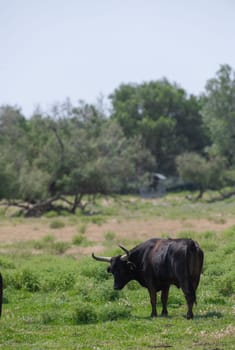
pixel 109 269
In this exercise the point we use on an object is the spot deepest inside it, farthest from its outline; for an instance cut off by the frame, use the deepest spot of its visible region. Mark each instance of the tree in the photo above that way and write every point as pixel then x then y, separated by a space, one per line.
pixel 13 143
pixel 164 116
pixel 205 174
pixel 219 113
pixel 60 159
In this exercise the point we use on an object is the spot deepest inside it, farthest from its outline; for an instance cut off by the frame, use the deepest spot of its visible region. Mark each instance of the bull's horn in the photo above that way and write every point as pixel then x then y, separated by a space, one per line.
pixel 103 258
pixel 124 257
pixel 125 250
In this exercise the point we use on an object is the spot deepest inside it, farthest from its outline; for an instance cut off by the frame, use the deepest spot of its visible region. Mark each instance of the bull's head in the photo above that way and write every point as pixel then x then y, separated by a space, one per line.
pixel 120 266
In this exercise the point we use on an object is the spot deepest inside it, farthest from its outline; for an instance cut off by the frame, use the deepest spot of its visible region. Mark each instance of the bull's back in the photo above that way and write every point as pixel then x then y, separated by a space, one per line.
pixel 170 261
pixel 179 259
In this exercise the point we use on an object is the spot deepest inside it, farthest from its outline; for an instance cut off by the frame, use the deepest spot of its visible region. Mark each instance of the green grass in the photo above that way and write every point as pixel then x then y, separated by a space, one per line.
pixel 54 301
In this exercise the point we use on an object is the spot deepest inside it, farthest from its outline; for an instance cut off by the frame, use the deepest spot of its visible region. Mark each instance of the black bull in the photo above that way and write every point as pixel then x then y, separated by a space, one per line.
pixel 158 263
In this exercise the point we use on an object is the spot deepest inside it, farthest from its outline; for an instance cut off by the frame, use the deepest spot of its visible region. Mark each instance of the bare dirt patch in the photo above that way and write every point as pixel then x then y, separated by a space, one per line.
pixel 36 229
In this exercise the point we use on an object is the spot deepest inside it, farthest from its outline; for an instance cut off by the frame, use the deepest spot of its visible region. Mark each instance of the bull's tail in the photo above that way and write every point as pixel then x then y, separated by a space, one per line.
pixel 1 294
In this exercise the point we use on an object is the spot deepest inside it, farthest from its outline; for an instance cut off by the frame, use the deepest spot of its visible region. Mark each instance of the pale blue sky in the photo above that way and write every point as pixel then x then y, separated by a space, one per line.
pixel 53 49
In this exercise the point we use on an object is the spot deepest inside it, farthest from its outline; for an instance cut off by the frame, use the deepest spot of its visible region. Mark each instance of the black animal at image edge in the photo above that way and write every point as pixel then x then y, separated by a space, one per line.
pixel 1 294
pixel 158 263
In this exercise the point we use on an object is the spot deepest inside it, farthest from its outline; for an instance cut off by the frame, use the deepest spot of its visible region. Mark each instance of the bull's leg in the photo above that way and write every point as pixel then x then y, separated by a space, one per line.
pixel 190 298
pixel 153 300
pixel 164 298
pixel 190 309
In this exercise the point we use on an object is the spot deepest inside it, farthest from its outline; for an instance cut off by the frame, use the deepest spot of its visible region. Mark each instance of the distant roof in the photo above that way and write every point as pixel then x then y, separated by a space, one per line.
pixel 159 176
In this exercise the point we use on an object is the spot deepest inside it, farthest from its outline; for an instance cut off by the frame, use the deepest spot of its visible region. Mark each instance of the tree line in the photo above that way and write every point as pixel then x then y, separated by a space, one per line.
pixel 55 160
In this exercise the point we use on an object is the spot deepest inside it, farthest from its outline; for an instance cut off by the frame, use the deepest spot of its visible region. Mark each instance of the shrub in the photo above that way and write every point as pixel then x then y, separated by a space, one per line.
pixel 6 263
pixel 226 285
pixel 27 280
pixel 78 239
pixel 60 247
pixel 83 228
pixel 113 311
pixel 97 220
pixel 45 242
pixel 51 214
pixel 96 271
pixel 133 285
pixel 84 314
pixel 38 245
pixel 105 292
pixel 60 282
pixel 84 288
pixel 229 248
pixel 110 235
pixel 9 280
pixel 48 239
pixel 56 224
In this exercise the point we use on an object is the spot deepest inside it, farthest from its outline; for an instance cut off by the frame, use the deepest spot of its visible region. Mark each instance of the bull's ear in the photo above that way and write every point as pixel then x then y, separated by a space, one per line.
pixel 109 269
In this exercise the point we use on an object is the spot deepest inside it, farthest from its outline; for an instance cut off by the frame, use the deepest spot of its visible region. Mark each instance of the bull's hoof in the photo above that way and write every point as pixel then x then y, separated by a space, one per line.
pixel 189 316
pixel 164 314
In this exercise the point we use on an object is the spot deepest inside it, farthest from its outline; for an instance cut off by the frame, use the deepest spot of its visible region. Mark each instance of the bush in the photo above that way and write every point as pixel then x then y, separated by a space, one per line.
pixel 6 263
pixel 27 280
pixel 96 271
pixel 133 285
pixel 56 224
pixel 83 228
pixel 48 239
pixel 97 220
pixel 60 247
pixel 60 282
pixel 226 285
pixel 105 292
pixel 85 287
pixel 48 243
pixel 109 236
pixel 229 248
pixel 51 214
pixel 45 242
pixel 113 312
pixel 84 314
pixel 78 239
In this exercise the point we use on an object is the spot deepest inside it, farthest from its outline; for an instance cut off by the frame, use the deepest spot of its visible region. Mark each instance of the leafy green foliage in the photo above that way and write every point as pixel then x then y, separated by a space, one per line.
pixel 219 112
pixel 56 161
pixel 59 162
pixel 56 224
pixel 84 313
pixel 164 116
pixel 200 172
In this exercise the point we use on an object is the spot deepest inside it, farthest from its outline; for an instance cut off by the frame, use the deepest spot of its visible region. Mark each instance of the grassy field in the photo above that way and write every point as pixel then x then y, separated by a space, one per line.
pixel 57 297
